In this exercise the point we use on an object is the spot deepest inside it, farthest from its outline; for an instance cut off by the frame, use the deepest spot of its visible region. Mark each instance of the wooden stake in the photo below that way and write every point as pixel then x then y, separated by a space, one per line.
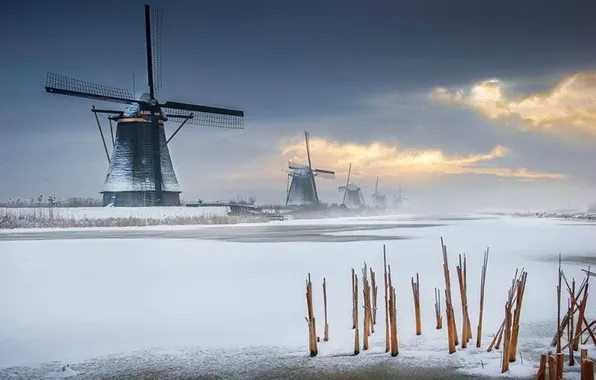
pixel 464 307
pixel 570 334
pixel 450 332
pixel 582 310
pixel 438 315
pixel 393 310
pixel 506 338
pixel 588 372
pixel 580 333
pixel 392 314
pixel 559 365
pixel 355 314
pixel 541 375
pixel 326 334
pixel 387 322
pixel 365 305
pixel 520 288
pixel 416 293
pixel 311 320
pixel 374 298
pixel 552 366
pixel 482 283
pixel 582 363
pixel 468 324
pixel 559 309
pixel 496 338
pixel 451 326
pixel 354 301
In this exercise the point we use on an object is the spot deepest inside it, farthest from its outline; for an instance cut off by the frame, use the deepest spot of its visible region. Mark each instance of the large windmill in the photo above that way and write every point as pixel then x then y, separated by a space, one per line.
pixel 379 199
pixel 140 169
pixel 302 188
pixel 352 193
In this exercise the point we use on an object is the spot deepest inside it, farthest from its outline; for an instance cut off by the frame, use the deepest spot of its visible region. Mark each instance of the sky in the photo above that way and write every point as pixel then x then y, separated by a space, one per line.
pixel 464 103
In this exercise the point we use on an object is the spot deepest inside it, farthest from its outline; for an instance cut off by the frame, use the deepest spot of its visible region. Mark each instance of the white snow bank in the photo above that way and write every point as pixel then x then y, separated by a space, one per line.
pixel 64 372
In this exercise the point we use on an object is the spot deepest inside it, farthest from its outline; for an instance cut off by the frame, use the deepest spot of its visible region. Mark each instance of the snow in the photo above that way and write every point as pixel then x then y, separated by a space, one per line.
pixel 75 300
pixel 63 372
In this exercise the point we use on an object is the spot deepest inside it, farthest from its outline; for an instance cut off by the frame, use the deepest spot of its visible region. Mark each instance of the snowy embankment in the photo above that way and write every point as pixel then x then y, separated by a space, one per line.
pixel 47 217
pixel 73 301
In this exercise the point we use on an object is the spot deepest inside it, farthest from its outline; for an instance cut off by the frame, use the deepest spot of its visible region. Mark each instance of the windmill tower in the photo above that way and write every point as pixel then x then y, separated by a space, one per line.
pixel 352 193
pixel 140 169
pixel 379 200
pixel 302 188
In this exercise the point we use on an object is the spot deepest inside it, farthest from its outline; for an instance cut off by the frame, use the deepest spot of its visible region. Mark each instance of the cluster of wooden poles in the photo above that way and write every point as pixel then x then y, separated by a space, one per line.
pixel 575 332
pixel 573 325
pixel 370 291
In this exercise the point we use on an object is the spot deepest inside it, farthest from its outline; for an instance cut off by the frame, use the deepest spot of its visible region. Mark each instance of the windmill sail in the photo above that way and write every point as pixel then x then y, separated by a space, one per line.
pixel 63 85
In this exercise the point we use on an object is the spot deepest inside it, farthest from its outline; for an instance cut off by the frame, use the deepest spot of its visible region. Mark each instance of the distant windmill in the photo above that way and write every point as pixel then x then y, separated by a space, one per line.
pixel 301 189
pixel 352 193
pixel 379 200
pixel 140 169
pixel 398 199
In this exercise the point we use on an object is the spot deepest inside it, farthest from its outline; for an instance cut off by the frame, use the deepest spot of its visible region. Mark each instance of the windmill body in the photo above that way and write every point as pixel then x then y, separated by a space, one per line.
pixel 302 190
pixel 399 200
pixel 140 171
pixel 130 180
pixel 353 196
pixel 379 199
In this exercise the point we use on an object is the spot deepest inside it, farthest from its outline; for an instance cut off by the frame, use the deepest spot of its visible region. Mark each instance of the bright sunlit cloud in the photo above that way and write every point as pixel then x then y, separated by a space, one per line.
pixel 390 160
pixel 569 107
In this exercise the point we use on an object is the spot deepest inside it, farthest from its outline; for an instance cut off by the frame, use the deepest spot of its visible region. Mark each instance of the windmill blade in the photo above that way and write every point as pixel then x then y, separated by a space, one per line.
pixel 307 139
pixel 347 183
pixel 153 23
pixel 63 85
pixel 324 173
pixel 205 116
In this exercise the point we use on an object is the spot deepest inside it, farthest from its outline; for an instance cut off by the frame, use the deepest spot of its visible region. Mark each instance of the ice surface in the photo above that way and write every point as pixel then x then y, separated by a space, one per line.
pixel 73 300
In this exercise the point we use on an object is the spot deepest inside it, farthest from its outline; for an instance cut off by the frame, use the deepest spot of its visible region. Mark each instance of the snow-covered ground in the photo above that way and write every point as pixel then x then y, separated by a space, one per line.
pixel 83 301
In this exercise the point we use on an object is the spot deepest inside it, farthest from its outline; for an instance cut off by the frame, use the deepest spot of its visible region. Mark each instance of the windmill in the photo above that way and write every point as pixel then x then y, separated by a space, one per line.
pixel 398 199
pixel 352 193
pixel 379 200
pixel 301 189
pixel 140 169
